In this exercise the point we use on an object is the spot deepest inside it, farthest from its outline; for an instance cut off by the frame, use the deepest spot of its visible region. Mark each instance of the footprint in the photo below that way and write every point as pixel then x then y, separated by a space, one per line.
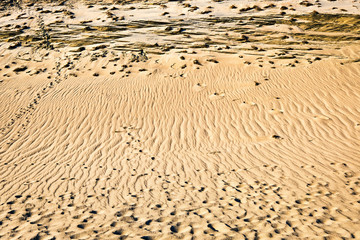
pixel 268 138
pixel 245 104
pixel 217 96
pixel 174 229
pixel 219 227
pixel 357 126
pixel 199 87
pixel 276 111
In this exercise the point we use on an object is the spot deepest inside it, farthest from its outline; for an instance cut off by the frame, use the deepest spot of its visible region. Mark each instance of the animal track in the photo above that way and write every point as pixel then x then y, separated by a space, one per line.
pixel 26 113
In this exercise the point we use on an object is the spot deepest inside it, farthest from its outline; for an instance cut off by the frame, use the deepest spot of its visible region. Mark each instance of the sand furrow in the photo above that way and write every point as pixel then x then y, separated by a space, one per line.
pixel 242 125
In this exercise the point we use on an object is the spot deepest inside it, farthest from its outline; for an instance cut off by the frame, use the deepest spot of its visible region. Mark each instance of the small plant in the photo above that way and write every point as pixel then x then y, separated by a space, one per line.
pixel 140 57
pixel 11 3
pixel 44 35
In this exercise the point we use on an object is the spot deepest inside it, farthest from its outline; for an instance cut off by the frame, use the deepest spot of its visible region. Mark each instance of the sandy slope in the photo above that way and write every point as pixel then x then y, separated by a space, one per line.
pixel 226 147
pixel 129 144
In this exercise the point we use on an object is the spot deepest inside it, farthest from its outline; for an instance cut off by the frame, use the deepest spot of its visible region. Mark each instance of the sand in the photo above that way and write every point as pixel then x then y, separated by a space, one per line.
pixel 169 120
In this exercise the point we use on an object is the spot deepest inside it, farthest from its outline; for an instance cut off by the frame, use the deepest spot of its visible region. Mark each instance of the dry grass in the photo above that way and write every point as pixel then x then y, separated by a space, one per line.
pixel 327 22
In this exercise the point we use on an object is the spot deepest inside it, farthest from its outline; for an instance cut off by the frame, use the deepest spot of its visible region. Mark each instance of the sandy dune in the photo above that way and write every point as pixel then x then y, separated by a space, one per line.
pixel 242 139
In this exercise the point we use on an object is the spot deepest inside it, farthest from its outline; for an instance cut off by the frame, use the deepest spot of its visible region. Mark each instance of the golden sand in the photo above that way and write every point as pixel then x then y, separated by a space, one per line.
pixel 192 120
